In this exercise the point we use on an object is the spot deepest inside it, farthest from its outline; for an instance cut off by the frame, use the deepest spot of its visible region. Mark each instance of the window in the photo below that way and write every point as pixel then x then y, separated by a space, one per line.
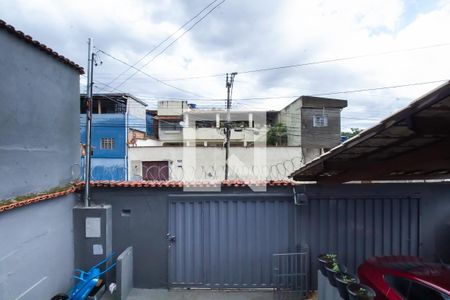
pixel 320 120
pixel 400 285
pixel 419 292
pixel 170 126
pixel 107 144
pixel 411 290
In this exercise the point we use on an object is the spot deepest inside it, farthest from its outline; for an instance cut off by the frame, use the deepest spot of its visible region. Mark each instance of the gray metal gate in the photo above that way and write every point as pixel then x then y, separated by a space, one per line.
pixel 227 241
pixel 290 273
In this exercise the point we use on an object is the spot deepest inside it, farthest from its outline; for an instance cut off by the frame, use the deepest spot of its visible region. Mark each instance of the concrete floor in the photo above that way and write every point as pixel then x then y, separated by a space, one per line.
pixel 162 294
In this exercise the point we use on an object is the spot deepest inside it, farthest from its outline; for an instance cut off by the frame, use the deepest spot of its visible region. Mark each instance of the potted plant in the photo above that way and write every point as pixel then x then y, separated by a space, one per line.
pixel 332 268
pixel 323 260
pixel 357 291
pixel 343 279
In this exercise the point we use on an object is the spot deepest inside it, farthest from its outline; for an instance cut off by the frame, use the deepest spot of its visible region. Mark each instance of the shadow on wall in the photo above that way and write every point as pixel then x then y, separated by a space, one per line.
pixel 443 242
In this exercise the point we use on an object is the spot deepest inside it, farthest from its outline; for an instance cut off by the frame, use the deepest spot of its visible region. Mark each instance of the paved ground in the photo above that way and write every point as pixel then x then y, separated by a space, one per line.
pixel 157 294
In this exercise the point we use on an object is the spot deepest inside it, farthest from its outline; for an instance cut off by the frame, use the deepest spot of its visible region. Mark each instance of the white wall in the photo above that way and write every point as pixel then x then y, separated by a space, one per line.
pixel 207 163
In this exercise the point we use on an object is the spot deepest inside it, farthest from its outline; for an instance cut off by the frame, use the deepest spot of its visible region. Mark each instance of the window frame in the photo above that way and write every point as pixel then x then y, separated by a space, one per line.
pixel 107 143
pixel 320 120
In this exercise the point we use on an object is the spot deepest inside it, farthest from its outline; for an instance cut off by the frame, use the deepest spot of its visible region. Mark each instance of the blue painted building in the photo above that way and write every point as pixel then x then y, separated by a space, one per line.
pixel 114 117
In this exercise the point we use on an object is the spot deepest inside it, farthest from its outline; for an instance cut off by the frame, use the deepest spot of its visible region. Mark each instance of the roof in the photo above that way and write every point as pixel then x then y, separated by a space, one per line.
pixel 33 199
pixel 410 144
pixel 176 118
pixel 318 102
pixel 49 51
pixel 27 200
pixel 116 95
pixel 177 184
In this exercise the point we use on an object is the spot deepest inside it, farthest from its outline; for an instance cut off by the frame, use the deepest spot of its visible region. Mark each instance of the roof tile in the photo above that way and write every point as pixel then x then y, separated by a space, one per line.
pixel 29 39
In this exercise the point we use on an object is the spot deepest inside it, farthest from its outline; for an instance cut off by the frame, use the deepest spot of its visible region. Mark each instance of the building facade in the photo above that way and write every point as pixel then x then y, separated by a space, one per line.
pixel 187 143
pixel 117 121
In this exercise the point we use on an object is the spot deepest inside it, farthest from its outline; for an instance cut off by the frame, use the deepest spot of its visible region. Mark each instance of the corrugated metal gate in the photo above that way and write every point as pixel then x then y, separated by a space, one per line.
pixel 358 227
pixel 227 241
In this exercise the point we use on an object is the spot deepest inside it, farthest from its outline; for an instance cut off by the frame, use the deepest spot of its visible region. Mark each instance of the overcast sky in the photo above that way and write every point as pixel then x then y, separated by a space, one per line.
pixel 248 35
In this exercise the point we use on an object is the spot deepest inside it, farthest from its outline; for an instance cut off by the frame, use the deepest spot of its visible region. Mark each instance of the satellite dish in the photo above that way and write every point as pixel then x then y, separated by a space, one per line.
pixel 182 123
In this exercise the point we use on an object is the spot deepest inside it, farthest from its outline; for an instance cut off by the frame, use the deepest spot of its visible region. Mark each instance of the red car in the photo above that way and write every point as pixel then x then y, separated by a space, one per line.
pixel 406 277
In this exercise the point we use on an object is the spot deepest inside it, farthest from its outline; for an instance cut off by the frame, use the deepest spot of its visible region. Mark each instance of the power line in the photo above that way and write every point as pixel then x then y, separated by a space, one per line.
pixel 162 42
pixel 147 74
pixel 314 62
pixel 297 96
pixel 165 48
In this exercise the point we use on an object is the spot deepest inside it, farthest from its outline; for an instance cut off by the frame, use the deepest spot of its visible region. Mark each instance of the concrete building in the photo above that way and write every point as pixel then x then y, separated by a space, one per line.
pixel 313 122
pixel 117 120
pixel 39 152
pixel 187 142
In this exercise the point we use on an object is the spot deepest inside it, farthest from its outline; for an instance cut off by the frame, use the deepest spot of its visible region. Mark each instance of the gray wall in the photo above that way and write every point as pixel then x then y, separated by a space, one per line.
pixel 39 132
pixel 140 220
pixel 320 137
pixel 36 253
pixel 379 219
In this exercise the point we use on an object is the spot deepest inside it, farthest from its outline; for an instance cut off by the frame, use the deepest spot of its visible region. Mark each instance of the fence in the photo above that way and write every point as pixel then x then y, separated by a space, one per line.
pixel 277 171
pixel 290 275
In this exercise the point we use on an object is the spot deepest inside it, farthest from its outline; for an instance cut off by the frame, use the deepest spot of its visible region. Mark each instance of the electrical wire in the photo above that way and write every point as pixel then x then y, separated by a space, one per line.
pixel 162 42
pixel 148 75
pixel 314 62
pixel 165 48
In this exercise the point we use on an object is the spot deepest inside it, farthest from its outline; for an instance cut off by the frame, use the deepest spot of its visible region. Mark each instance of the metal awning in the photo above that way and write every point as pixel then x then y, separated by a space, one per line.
pixel 413 143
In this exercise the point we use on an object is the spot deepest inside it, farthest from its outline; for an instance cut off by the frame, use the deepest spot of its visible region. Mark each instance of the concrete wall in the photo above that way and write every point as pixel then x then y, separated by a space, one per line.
pixel 291 117
pixel 136 115
pixel 140 219
pixel 298 118
pixel 320 137
pixel 209 162
pixel 36 253
pixel 39 132
pixel 172 108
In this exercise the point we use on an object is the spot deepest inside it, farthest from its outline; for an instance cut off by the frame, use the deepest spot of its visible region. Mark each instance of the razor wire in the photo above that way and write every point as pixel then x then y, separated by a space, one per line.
pixel 277 171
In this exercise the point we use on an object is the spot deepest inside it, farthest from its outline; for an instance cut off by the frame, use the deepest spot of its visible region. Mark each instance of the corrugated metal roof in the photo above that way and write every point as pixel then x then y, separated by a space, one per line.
pixel 29 39
pixel 413 143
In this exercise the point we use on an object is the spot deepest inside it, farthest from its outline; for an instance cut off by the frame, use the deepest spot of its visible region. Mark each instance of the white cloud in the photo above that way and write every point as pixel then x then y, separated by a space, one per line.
pixel 242 35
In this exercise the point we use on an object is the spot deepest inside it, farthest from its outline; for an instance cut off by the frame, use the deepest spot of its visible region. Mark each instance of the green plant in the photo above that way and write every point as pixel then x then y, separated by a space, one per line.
pixel 346 278
pixel 351 133
pixel 277 135
pixel 33 195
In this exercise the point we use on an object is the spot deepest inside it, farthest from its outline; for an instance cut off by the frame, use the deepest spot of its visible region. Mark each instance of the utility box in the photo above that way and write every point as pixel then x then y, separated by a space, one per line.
pixel 92 229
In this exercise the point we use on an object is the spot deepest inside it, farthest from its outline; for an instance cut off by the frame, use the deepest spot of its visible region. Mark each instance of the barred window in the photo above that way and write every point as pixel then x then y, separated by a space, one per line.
pixel 107 144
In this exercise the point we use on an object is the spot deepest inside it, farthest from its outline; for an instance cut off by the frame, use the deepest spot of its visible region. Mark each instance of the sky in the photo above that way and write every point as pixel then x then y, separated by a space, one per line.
pixel 343 45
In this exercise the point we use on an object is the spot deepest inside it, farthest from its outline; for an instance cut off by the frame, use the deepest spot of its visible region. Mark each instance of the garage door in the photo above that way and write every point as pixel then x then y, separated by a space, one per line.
pixel 226 241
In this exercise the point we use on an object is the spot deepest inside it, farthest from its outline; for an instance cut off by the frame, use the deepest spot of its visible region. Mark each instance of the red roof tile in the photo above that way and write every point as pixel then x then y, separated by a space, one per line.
pixel 160 184
pixel 35 199
pixel 29 39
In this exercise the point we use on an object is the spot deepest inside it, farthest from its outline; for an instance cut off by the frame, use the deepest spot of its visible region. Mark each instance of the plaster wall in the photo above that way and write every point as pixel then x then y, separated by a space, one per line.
pixel 37 249
pixel 39 132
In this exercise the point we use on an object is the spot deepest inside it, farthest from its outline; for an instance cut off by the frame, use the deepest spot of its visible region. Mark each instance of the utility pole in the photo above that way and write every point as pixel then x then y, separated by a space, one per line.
pixel 229 86
pixel 87 170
